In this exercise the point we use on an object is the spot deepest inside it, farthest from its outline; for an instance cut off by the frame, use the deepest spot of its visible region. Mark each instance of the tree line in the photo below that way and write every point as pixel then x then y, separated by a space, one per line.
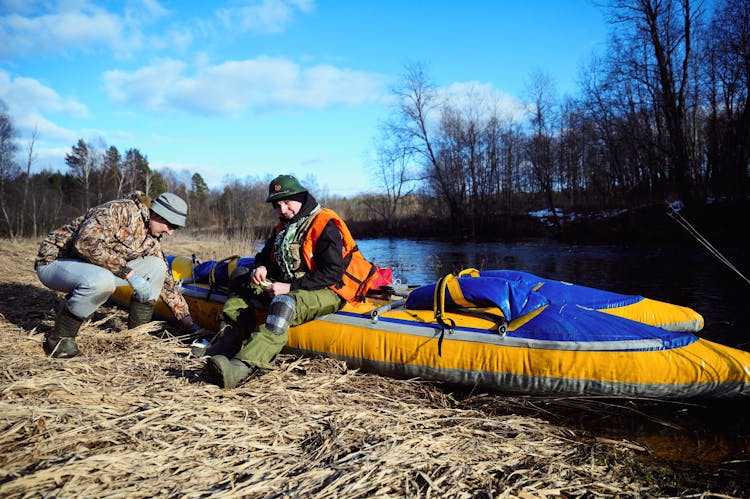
pixel 661 114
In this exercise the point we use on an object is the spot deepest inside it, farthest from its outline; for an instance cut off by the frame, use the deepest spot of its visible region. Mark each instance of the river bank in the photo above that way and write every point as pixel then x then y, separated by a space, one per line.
pixel 722 223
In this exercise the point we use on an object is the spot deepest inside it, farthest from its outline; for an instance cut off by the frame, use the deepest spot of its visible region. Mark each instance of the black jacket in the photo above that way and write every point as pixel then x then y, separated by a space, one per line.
pixel 326 255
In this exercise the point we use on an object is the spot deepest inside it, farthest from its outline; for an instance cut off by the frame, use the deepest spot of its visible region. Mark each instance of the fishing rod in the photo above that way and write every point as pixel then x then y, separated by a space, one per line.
pixel 675 215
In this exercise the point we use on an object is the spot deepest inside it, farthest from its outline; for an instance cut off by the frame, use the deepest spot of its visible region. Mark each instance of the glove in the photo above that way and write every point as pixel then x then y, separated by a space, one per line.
pixel 141 288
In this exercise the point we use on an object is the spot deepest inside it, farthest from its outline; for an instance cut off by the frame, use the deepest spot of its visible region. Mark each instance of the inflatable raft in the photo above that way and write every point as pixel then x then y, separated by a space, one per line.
pixel 506 331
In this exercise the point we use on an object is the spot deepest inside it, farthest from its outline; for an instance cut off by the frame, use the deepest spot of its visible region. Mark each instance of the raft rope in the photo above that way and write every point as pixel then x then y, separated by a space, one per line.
pixel 446 323
pixel 705 242
pixel 231 262
pixel 450 284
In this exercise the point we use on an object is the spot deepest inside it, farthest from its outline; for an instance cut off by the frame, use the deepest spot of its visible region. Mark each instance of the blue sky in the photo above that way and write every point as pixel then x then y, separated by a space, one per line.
pixel 253 88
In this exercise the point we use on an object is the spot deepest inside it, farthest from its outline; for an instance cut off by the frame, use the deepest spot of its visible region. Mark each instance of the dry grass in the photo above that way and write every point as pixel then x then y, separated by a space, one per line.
pixel 134 418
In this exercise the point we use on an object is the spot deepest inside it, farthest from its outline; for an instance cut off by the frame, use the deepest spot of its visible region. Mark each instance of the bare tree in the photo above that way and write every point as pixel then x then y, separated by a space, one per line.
pixel 392 174
pixel 27 179
pixel 82 162
pixel 463 130
pixel 510 151
pixel 136 171
pixel 416 113
pixel 572 149
pixel 113 168
pixel 541 145
pixel 9 170
pixel 665 29
pixel 726 69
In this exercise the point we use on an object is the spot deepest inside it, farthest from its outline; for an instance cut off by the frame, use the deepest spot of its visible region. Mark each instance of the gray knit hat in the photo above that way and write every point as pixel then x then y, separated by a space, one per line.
pixel 171 208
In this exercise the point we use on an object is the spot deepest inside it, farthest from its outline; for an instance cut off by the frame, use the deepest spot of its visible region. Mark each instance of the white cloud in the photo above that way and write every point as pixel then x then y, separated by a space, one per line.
pixel 50 157
pixel 19 6
pixel 147 87
pixel 482 98
pixel 179 39
pixel 323 84
pixel 45 128
pixel 264 16
pixel 30 104
pixel 25 95
pixel 31 29
pixel 214 177
pixel 233 87
pixel 58 31
pixel 28 101
pixel 66 26
pixel 144 9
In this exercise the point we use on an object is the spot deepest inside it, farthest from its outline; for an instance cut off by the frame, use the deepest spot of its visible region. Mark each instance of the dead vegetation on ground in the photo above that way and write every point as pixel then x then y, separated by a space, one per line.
pixel 135 418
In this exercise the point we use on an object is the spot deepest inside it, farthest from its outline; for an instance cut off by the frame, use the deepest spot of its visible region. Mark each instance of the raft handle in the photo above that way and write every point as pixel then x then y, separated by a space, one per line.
pixel 375 314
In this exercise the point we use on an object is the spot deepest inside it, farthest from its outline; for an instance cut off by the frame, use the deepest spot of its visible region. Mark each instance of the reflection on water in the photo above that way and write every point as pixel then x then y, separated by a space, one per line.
pixel 689 276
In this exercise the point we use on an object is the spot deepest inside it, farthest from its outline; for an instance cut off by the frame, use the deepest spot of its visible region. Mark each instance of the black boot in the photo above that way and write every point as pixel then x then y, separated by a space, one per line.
pixel 227 373
pixel 227 343
pixel 140 313
pixel 60 342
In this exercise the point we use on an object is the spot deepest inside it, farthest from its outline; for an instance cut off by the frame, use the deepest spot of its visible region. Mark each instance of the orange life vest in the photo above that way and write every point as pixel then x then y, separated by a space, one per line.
pixel 359 274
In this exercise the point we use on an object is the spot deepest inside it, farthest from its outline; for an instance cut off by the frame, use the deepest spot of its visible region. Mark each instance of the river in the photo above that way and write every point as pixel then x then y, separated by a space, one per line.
pixel 686 274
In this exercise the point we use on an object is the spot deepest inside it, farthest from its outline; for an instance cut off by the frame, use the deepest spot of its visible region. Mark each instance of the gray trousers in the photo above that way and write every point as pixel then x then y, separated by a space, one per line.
pixel 89 286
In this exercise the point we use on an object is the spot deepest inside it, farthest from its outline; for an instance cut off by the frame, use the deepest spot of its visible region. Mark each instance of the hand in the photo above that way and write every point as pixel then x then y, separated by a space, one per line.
pixel 187 324
pixel 141 287
pixel 259 275
pixel 277 288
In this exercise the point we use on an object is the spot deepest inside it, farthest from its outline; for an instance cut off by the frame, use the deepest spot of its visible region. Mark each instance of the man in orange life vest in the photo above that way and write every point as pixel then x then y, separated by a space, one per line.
pixel 310 267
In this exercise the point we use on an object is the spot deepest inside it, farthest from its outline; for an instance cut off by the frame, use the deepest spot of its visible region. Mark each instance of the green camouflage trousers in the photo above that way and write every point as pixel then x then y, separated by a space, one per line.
pixel 261 345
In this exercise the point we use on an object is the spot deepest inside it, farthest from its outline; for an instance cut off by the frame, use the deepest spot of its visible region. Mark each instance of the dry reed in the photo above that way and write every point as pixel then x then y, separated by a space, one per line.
pixel 135 418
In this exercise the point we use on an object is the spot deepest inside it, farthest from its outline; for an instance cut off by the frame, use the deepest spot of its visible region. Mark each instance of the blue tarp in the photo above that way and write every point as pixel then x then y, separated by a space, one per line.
pixel 565 292
pixel 569 312
pixel 514 298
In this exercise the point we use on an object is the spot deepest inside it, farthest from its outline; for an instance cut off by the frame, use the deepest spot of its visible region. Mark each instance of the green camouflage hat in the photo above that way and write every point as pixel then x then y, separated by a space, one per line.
pixel 283 187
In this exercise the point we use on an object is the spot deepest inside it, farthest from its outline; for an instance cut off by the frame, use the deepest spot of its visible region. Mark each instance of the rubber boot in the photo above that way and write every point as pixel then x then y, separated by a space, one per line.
pixel 60 342
pixel 228 373
pixel 227 343
pixel 140 313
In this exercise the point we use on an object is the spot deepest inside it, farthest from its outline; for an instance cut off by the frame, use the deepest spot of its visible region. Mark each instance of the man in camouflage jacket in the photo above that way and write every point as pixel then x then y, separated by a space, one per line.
pixel 113 244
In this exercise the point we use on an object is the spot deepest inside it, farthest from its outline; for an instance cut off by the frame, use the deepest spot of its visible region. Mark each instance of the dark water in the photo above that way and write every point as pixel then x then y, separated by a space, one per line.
pixel 689 275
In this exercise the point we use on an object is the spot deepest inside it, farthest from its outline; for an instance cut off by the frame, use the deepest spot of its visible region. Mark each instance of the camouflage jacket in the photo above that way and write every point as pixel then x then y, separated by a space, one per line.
pixel 110 235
